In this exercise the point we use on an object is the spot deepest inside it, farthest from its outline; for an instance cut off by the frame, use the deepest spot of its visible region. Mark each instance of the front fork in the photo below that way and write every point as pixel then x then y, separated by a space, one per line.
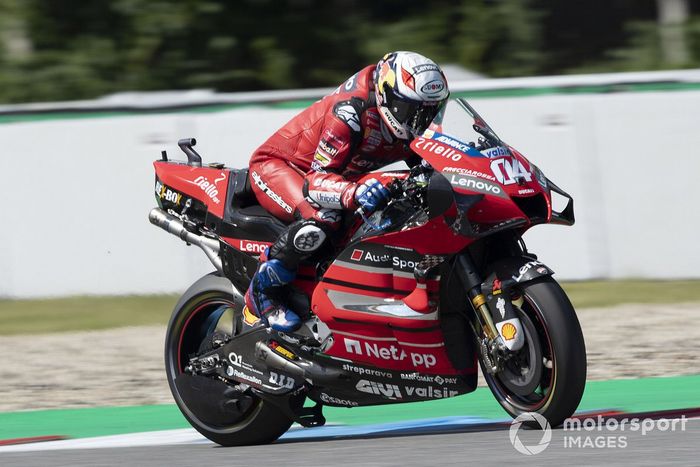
pixel 497 326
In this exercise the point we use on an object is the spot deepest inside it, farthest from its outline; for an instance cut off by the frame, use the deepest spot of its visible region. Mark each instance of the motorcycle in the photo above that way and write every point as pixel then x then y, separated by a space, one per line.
pixel 415 298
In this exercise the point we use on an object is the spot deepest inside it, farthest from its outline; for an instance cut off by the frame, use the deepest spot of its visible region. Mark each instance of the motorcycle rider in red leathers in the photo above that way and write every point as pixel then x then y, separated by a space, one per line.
pixel 305 173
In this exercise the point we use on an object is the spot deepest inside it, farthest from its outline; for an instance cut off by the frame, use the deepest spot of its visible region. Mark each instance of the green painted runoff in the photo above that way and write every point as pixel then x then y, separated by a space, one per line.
pixel 630 395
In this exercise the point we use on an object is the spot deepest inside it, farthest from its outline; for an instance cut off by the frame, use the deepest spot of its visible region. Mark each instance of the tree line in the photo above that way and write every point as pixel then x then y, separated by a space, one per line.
pixel 63 49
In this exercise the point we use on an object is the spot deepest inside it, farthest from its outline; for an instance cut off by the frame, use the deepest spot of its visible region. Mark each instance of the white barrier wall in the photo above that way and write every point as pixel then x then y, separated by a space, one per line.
pixel 76 193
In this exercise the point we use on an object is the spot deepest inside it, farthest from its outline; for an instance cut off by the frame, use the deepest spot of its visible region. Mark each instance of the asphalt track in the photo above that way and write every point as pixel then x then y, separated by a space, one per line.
pixel 486 446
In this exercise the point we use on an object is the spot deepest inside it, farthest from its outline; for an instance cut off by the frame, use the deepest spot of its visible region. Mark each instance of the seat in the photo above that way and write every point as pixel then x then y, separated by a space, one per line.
pixel 243 194
pixel 246 216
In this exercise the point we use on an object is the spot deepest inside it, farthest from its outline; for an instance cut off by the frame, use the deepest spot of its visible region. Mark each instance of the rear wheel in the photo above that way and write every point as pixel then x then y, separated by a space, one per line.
pixel 548 374
pixel 219 411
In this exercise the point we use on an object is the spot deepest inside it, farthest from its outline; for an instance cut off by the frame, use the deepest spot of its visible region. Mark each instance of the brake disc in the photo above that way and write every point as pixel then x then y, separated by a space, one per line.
pixel 522 372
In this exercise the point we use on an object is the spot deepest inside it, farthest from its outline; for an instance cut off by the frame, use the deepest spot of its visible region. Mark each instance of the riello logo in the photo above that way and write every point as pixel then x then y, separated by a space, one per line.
pixel 209 187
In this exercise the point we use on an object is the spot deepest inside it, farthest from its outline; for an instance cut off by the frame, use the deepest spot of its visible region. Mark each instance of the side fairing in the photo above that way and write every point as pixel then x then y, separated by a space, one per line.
pixel 360 300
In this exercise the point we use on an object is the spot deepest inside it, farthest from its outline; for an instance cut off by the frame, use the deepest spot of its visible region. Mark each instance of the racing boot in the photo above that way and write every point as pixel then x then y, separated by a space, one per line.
pixel 271 273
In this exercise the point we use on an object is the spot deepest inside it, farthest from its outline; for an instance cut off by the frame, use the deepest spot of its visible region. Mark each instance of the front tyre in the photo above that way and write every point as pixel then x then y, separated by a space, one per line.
pixel 216 409
pixel 548 374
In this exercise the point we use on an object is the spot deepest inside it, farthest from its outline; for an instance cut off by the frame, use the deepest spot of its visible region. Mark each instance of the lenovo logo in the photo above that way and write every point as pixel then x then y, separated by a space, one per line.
pixel 252 247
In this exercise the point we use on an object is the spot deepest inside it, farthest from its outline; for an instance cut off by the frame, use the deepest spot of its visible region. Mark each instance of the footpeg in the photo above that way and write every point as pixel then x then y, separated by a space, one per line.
pixel 310 416
pixel 305 416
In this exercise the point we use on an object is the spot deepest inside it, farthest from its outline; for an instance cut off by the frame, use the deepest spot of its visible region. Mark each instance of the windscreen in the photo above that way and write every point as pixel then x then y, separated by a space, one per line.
pixel 461 121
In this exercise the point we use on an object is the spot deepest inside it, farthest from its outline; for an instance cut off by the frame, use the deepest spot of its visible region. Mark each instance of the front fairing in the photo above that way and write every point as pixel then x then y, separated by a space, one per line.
pixel 493 184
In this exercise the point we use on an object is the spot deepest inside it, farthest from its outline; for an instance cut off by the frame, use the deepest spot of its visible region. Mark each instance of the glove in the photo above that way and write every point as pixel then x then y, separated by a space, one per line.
pixel 371 195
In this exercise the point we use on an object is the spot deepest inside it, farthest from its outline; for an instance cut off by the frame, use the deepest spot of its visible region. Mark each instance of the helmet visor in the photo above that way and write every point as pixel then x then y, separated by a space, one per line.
pixel 414 115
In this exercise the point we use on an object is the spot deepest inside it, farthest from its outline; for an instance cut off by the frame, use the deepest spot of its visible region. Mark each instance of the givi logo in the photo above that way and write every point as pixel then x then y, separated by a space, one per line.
pixel 391 391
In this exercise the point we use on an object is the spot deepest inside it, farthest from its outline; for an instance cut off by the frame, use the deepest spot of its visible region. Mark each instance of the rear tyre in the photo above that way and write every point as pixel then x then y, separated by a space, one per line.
pixel 548 375
pixel 215 409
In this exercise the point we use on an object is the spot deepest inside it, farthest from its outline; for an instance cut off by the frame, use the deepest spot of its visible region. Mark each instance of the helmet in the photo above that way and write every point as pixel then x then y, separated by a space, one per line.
pixel 410 90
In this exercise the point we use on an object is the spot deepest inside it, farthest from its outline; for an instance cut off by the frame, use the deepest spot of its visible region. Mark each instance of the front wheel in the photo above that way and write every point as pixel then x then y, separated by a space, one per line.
pixel 548 374
pixel 216 409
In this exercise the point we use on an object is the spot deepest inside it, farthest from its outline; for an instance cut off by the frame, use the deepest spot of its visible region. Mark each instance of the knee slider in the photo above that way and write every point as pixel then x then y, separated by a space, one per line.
pixel 308 238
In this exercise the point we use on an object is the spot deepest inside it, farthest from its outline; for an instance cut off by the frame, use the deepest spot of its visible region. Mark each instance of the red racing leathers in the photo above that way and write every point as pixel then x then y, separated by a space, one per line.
pixel 307 171
pixel 308 166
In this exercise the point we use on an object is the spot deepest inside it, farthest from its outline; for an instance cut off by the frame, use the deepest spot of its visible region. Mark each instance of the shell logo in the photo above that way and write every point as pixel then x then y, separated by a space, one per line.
pixel 508 331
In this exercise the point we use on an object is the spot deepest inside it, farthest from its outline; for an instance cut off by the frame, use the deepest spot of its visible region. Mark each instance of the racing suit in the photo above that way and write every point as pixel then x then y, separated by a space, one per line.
pixel 305 173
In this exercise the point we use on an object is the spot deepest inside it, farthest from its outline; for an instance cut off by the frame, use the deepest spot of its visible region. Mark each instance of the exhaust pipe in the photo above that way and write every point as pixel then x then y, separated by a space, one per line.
pixel 302 368
pixel 173 225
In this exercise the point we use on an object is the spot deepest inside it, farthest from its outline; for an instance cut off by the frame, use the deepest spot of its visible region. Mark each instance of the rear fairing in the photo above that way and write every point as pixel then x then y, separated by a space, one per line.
pixel 177 183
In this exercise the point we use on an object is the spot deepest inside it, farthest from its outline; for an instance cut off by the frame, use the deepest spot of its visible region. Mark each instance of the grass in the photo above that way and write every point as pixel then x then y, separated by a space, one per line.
pixel 608 293
pixel 90 313
pixel 83 313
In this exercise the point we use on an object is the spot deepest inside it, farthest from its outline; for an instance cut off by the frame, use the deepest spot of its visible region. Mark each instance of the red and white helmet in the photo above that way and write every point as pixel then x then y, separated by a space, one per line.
pixel 410 90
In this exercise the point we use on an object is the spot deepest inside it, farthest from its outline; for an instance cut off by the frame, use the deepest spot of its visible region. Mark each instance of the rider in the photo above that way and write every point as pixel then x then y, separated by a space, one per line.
pixel 305 173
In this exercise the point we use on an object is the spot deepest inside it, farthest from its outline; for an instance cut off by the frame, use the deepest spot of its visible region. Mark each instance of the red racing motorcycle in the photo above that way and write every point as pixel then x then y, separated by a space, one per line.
pixel 413 300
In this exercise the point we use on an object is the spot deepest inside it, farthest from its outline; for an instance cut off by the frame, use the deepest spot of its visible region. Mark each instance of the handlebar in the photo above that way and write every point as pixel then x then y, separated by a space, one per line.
pixel 361 212
pixel 397 188
pixel 394 188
